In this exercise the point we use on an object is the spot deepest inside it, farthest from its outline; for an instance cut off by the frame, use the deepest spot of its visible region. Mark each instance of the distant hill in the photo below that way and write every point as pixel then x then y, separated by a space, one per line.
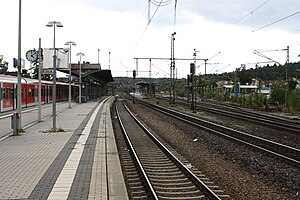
pixel 265 73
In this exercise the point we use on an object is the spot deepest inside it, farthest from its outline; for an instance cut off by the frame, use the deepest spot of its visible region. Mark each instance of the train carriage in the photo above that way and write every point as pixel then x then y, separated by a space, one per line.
pixel 29 92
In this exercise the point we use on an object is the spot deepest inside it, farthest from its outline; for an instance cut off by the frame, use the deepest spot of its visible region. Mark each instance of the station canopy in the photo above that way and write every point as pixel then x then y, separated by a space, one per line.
pixel 90 71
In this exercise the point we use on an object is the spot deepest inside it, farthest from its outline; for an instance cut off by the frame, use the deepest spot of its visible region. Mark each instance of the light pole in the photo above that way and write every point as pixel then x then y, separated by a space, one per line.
pixel 54 24
pixel 70 43
pixel 172 69
pixel 80 54
pixel 19 102
pixel 98 55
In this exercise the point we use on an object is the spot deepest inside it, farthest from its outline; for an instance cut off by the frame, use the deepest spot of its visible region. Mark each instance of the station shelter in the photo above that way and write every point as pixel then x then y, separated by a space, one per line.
pixel 144 89
pixel 95 81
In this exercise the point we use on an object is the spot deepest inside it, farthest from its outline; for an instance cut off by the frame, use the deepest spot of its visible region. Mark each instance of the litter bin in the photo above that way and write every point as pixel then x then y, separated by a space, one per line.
pixel 15 122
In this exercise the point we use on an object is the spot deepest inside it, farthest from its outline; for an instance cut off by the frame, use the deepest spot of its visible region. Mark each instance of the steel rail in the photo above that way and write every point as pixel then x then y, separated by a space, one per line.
pixel 271 121
pixel 136 158
pixel 195 121
pixel 208 192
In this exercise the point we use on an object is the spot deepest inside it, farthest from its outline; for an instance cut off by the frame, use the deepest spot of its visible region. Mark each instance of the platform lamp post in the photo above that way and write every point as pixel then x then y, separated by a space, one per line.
pixel 70 43
pixel 19 90
pixel 54 24
pixel 80 54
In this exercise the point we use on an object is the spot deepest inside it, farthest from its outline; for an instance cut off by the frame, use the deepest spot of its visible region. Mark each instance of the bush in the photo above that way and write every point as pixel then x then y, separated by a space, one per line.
pixel 294 100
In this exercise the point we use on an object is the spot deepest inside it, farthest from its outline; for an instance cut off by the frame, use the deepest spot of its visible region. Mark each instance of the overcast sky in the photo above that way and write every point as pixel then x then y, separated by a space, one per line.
pixel 225 32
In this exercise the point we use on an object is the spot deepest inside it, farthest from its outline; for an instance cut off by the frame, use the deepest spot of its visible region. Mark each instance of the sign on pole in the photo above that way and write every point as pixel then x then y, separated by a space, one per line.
pixel 61 61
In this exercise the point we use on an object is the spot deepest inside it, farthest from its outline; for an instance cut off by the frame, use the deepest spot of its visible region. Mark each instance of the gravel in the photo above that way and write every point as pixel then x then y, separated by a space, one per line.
pixel 241 172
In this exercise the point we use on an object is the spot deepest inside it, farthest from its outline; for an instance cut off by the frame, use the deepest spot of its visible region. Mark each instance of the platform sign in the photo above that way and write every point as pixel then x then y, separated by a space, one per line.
pixel 62 58
pixel 47 71
pixel 16 61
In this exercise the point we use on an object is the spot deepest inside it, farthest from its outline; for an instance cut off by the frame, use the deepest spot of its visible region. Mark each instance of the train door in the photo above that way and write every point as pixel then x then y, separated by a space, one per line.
pixel 7 96
pixel 31 95
pixel 50 93
pixel 43 93
pixel 1 97
pixel 36 94
pixel 24 95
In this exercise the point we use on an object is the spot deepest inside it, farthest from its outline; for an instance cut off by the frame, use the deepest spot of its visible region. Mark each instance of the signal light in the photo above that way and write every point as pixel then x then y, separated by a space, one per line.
pixel 134 74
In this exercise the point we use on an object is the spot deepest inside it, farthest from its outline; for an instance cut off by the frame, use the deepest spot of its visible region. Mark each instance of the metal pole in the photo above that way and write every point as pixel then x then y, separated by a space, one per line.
pixel 98 55
pixel 54 83
pixel 137 66
pixel 109 60
pixel 205 62
pixel 286 77
pixel 150 68
pixel 173 66
pixel 70 71
pixel 70 43
pixel 40 85
pixel 54 24
pixel 80 78
pixel 19 95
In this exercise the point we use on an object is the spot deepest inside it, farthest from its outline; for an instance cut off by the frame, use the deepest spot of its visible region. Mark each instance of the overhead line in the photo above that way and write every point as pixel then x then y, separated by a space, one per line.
pixel 277 21
pixel 154 12
pixel 140 38
pixel 251 12
pixel 175 12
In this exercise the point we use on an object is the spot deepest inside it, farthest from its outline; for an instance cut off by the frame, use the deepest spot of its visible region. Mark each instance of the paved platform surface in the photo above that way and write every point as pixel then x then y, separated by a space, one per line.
pixel 80 163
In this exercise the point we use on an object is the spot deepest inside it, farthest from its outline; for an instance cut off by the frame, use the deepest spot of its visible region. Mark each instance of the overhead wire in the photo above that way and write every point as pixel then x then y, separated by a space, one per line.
pixel 175 13
pixel 154 12
pixel 270 24
pixel 149 21
pixel 160 3
pixel 251 13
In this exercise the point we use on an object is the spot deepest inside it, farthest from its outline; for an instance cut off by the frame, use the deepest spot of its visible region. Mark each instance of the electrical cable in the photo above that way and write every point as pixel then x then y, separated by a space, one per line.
pixel 159 69
pixel 154 13
pixel 175 13
pixel 161 3
pixel 251 13
pixel 158 4
pixel 277 21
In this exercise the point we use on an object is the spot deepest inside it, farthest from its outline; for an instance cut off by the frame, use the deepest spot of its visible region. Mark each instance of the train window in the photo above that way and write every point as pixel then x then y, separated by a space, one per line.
pixel 23 92
pixel 3 93
pixel 7 93
pixel 29 92
pixel 11 94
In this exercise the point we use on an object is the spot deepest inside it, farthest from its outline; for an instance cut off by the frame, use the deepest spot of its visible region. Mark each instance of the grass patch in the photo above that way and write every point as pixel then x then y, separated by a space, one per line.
pixel 54 130
pixel 21 130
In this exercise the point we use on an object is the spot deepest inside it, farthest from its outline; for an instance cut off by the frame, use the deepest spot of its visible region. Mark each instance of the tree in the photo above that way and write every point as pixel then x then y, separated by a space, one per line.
pixel 35 71
pixel 3 66
pixel 278 93
pixel 245 76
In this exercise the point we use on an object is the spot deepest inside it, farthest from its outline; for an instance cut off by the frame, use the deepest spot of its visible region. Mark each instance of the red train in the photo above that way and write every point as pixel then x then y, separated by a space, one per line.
pixel 8 92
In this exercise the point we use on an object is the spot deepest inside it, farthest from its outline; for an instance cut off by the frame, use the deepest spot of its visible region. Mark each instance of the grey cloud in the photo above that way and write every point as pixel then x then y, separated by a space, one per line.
pixel 223 11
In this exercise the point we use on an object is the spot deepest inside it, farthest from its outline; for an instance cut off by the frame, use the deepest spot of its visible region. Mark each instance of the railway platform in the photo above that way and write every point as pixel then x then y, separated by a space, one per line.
pixel 80 162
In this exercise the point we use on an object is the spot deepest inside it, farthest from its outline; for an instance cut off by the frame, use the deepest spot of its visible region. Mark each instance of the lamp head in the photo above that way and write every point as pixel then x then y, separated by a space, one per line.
pixel 80 54
pixel 58 24
pixel 70 42
pixel 54 23
pixel 50 24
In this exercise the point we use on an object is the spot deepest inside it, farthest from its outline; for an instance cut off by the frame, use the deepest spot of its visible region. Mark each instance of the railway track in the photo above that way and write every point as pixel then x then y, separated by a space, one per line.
pixel 160 174
pixel 244 114
pixel 288 154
